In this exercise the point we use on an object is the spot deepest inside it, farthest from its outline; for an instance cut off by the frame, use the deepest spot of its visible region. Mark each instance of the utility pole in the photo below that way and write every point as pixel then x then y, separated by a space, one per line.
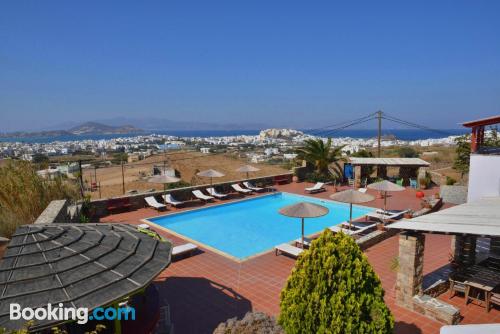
pixel 81 177
pixel 123 178
pixel 379 137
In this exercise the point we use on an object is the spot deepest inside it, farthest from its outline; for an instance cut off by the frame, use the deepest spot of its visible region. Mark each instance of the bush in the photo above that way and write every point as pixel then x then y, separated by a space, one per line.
pixel 333 289
pixel 450 181
pixel 407 152
pixel 252 323
pixel 24 195
pixel 319 177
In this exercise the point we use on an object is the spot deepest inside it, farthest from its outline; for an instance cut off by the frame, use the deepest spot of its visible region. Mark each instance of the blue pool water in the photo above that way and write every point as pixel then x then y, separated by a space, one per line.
pixel 252 226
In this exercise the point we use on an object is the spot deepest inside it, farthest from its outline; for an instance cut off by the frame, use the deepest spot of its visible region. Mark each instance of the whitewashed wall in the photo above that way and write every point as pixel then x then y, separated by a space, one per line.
pixel 484 176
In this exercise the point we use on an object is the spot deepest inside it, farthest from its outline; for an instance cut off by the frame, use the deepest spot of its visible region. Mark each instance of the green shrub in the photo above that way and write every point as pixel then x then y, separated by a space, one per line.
pixel 407 152
pixel 24 195
pixel 333 289
pixel 450 181
pixel 319 177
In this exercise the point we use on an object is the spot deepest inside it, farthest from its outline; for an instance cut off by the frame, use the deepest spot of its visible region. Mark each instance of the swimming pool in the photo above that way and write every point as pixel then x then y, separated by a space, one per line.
pixel 248 227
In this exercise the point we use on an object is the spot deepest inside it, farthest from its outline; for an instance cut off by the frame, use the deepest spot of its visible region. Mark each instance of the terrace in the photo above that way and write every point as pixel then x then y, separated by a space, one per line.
pixel 211 288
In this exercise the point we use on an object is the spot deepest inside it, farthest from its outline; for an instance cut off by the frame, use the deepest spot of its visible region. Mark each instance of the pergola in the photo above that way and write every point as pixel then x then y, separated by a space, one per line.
pixel 409 167
pixel 465 222
pixel 79 265
pixel 477 131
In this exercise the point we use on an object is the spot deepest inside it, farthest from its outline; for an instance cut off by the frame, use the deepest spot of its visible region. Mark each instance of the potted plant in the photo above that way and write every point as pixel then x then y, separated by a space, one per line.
pixel 408 214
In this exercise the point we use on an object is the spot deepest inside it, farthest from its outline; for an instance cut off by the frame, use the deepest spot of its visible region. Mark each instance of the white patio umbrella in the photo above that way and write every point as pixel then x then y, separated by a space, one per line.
pixel 351 196
pixel 247 169
pixel 211 173
pixel 385 186
pixel 304 210
pixel 163 179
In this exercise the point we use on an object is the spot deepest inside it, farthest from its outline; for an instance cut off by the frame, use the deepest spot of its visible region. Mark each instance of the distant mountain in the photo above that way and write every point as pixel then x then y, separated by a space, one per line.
pixel 103 129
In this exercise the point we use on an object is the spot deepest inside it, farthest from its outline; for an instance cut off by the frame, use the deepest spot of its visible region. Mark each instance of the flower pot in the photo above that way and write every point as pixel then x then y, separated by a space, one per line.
pixel 408 215
pixel 380 227
pixel 295 178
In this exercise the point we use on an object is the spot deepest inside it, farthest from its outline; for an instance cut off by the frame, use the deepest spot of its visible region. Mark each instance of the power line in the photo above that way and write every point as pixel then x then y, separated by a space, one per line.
pixel 414 125
pixel 318 131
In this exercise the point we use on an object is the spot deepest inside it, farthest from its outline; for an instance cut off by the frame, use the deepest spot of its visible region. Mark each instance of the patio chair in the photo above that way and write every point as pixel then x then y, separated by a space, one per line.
pixel 318 187
pixel 457 283
pixel 252 187
pixel 184 249
pixel 201 196
pixel 214 193
pixel 399 182
pixel 152 202
pixel 169 199
pixel 239 189
pixel 413 183
pixel 288 249
pixel 350 182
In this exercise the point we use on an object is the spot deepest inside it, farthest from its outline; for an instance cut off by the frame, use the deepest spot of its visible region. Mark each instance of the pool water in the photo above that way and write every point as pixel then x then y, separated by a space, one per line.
pixel 252 226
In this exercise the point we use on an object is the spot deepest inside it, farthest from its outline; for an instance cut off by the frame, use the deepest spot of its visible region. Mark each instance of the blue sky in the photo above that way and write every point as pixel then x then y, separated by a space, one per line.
pixel 281 63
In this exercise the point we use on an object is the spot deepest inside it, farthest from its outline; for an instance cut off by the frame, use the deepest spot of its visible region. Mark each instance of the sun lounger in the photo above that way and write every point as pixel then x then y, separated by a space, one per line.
pixel 362 190
pixel 239 189
pixel 340 228
pixel 386 215
pixel 358 228
pixel 216 194
pixel 307 242
pixel 318 187
pixel 143 226
pixel 288 249
pixel 183 249
pixel 201 196
pixel 169 199
pixel 251 187
pixel 152 202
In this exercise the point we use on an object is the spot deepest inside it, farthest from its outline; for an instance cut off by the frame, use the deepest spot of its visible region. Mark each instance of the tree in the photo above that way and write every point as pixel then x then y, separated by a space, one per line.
pixel 462 159
pixel 333 289
pixel 322 156
pixel 24 195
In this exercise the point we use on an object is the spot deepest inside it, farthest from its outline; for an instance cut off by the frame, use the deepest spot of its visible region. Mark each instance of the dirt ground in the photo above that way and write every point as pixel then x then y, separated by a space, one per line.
pixel 187 163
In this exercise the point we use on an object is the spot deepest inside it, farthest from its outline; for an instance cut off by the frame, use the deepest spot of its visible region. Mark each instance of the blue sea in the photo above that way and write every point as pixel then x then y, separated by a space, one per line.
pixel 402 134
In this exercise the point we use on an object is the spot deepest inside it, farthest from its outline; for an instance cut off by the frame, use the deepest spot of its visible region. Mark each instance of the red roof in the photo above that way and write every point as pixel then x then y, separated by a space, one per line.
pixel 484 121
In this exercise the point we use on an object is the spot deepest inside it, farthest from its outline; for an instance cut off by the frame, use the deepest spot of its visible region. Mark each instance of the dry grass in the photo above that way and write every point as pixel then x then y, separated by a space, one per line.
pixel 187 163
pixel 24 195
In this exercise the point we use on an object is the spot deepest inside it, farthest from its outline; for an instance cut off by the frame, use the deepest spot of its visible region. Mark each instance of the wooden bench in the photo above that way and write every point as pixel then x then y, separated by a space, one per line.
pixel 115 204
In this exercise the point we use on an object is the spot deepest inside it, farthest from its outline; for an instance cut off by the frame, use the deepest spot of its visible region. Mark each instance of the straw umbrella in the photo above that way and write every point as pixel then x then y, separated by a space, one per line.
pixel 247 169
pixel 385 186
pixel 352 196
pixel 211 173
pixel 163 179
pixel 304 210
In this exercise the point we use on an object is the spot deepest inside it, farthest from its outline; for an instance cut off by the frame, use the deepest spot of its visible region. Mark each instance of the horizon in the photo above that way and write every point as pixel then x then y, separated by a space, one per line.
pixel 281 66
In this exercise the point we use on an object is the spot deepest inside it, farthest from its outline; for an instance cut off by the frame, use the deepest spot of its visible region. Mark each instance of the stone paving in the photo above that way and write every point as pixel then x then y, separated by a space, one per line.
pixel 206 288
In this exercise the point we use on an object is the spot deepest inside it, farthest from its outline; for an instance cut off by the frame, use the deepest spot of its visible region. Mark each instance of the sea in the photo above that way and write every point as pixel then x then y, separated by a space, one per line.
pixel 401 134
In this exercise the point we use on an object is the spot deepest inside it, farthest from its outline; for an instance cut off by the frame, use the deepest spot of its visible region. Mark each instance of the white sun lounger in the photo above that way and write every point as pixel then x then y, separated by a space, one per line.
pixel 214 193
pixel 169 199
pixel 199 195
pixel 288 249
pixel 339 228
pixel 152 202
pixel 362 190
pixel 307 241
pixel 239 189
pixel 251 187
pixel 386 215
pixel 318 187
pixel 143 226
pixel 183 249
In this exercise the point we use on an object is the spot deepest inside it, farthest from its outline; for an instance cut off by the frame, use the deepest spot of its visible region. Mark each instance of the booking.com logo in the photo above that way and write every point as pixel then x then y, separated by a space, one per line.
pixel 80 315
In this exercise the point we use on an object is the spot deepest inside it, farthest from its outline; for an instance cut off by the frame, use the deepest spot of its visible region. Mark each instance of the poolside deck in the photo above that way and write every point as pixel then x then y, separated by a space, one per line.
pixel 206 289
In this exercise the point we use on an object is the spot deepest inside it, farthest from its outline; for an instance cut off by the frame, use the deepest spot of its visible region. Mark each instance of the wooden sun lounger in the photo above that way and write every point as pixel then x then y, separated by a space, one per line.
pixel 214 193
pixel 201 196
pixel 184 249
pixel 152 202
pixel 169 199
pixel 318 187
pixel 307 241
pixel 239 189
pixel 253 188
pixel 387 215
pixel 288 249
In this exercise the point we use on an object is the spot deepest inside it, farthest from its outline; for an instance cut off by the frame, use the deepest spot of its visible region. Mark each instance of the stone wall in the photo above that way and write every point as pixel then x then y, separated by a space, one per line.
pixel 55 212
pixel 99 207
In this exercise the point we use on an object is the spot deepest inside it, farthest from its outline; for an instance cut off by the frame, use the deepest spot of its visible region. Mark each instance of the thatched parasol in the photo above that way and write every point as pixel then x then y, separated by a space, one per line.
pixel 247 169
pixel 351 196
pixel 211 173
pixel 385 186
pixel 304 210
pixel 163 179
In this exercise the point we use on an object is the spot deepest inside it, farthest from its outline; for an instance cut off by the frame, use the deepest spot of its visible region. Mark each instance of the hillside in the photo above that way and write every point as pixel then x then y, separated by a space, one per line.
pixel 99 128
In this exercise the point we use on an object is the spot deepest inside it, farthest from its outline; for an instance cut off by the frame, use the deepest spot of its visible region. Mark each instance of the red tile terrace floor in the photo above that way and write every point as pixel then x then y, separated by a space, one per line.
pixel 207 288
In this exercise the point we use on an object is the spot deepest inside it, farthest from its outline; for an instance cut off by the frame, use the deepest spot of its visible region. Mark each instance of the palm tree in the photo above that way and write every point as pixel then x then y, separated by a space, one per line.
pixel 322 155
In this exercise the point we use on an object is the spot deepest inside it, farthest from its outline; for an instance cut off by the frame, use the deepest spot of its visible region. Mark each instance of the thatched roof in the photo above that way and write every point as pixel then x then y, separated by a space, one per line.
pixel 79 265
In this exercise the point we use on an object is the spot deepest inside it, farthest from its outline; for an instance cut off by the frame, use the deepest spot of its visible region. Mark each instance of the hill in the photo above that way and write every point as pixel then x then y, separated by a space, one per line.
pixel 99 128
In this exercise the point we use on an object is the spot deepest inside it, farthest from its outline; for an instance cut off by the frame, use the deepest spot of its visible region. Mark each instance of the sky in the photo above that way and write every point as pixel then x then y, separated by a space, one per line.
pixel 280 63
